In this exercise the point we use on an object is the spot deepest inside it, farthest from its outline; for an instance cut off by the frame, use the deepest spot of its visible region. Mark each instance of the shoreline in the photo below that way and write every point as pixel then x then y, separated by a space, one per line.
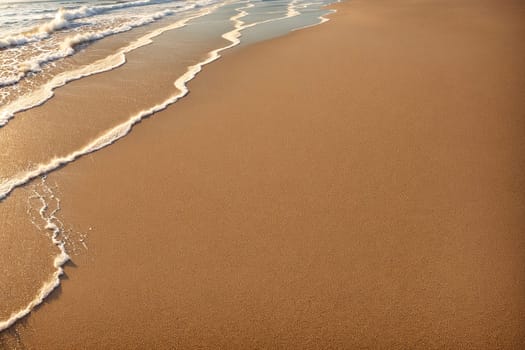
pixel 358 211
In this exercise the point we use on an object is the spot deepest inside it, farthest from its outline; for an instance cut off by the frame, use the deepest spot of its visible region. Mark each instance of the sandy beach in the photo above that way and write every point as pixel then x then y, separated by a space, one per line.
pixel 354 185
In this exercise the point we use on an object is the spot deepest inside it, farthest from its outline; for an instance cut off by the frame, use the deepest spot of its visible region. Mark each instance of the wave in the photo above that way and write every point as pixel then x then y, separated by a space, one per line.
pixel 63 18
pixel 322 18
pixel 67 47
pixel 71 42
pixel 45 92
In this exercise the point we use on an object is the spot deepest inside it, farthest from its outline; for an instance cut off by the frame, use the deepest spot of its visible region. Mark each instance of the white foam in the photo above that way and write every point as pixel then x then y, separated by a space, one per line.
pixel 11 80
pixel 63 18
pixel 67 46
pixel 290 12
pixel 60 259
pixel 110 62
pixel 81 38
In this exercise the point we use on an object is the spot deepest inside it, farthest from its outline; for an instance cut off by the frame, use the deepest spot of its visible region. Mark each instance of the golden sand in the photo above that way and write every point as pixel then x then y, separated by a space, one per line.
pixel 354 185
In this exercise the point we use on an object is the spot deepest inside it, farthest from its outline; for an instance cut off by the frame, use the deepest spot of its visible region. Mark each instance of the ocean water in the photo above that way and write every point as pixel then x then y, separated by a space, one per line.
pixel 45 45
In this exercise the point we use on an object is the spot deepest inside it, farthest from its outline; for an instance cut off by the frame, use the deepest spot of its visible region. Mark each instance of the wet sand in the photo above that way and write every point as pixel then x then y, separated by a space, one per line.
pixel 354 185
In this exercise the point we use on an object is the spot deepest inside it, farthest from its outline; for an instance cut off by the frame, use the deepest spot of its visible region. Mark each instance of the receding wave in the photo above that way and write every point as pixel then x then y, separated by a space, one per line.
pixel 50 224
pixel 45 92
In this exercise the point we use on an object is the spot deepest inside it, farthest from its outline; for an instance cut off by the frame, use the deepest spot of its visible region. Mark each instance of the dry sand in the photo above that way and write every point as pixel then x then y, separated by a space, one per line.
pixel 354 185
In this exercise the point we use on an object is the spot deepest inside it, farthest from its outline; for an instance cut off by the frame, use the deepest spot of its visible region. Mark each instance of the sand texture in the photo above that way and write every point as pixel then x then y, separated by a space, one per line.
pixel 357 185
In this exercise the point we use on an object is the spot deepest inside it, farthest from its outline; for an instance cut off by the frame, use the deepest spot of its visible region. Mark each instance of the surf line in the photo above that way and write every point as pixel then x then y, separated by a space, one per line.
pixel 322 18
pixel 62 19
pixel 44 93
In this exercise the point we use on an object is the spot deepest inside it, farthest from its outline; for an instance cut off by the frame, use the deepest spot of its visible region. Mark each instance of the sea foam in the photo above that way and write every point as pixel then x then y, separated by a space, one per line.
pixel 50 224
pixel 67 46
pixel 63 18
